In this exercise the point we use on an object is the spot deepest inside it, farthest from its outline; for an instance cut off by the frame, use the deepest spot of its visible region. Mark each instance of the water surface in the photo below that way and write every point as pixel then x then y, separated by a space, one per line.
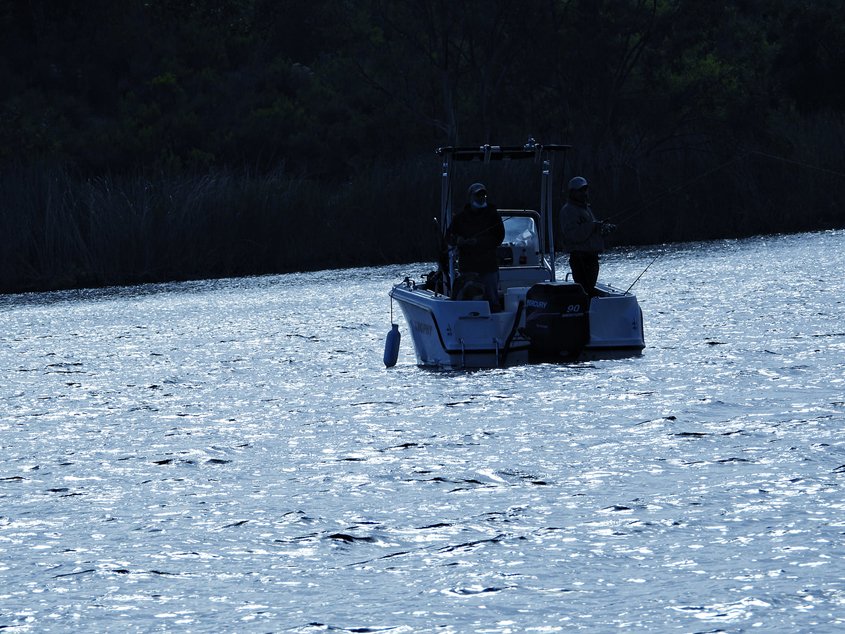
pixel 232 455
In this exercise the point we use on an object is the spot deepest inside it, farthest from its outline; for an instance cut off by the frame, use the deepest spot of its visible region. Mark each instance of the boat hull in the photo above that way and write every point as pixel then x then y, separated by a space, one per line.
pixel 455 334
pixel 460 334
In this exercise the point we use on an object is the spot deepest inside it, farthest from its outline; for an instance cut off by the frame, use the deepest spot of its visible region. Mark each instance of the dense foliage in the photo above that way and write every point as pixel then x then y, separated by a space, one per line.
pixel 163 139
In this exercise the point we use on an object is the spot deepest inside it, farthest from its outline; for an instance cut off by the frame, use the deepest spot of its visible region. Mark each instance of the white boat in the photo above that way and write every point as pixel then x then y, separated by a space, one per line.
pixel 542 319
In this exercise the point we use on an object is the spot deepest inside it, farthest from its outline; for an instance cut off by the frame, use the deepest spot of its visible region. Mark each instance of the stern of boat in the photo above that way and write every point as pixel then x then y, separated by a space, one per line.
pixel 616 322
pixel 448 333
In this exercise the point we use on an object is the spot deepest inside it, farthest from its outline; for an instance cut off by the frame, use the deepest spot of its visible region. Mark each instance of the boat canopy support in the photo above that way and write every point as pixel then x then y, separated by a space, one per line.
pixel 541 154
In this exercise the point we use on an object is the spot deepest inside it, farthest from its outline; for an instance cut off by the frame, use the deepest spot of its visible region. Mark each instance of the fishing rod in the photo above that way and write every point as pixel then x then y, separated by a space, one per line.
pixel 643 273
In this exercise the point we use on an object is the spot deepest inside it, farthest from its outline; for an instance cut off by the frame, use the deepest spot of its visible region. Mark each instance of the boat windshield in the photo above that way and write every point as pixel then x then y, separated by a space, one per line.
pixel 521 231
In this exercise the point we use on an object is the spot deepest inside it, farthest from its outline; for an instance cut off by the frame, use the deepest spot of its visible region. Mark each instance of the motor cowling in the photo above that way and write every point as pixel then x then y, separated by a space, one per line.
pixel 557 317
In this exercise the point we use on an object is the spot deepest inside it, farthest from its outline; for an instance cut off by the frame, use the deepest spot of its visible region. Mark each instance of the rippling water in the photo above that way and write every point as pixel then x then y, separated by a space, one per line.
pixel 232 455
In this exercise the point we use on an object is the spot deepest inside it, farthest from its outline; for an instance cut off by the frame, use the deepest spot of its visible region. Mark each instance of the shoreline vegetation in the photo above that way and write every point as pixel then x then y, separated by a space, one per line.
pixel 65 231
pixel 158 140
pixel 71 232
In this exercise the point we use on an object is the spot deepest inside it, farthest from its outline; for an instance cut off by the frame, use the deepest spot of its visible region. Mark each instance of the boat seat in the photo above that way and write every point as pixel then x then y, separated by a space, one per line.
pixel 466 287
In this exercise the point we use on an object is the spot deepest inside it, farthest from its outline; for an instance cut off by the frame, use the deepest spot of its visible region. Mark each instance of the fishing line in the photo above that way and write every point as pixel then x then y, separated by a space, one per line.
pixel 637 209
pixel 798 163
pixel 707 173
pixel 672 190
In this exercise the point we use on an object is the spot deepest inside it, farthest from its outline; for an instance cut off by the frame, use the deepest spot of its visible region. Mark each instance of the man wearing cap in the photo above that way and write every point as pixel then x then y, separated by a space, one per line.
pixel 477 232
pixel 583 235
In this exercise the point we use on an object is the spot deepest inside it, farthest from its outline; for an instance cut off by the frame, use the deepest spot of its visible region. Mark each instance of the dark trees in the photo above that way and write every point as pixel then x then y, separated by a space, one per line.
pixel 689 116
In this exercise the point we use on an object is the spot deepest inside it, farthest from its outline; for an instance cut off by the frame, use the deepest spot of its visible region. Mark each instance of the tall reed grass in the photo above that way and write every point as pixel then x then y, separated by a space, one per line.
pixel 60 230
pixel 794 181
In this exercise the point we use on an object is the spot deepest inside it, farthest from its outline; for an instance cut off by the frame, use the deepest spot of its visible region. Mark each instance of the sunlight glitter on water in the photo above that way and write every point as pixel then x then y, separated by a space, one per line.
pixel 233 455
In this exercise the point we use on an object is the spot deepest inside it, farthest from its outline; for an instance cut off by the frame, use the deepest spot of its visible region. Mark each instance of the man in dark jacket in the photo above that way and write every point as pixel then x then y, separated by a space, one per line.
pixel 583 235
pixel 477 232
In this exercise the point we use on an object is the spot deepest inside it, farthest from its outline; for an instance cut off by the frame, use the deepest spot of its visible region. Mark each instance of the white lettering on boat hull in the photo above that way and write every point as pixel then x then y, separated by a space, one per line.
pixel 423 329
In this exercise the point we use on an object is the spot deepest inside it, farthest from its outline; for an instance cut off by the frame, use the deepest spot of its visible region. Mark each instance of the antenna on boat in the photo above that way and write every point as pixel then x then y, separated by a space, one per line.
pixel 546 211
pixel 446 218
pixel 547 193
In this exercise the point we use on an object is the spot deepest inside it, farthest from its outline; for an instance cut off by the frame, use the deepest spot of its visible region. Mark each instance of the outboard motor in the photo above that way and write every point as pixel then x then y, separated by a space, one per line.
pixel 557 318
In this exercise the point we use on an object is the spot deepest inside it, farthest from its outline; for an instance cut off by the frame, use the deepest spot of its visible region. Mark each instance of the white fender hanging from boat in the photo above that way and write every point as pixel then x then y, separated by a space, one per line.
pixel 391 346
